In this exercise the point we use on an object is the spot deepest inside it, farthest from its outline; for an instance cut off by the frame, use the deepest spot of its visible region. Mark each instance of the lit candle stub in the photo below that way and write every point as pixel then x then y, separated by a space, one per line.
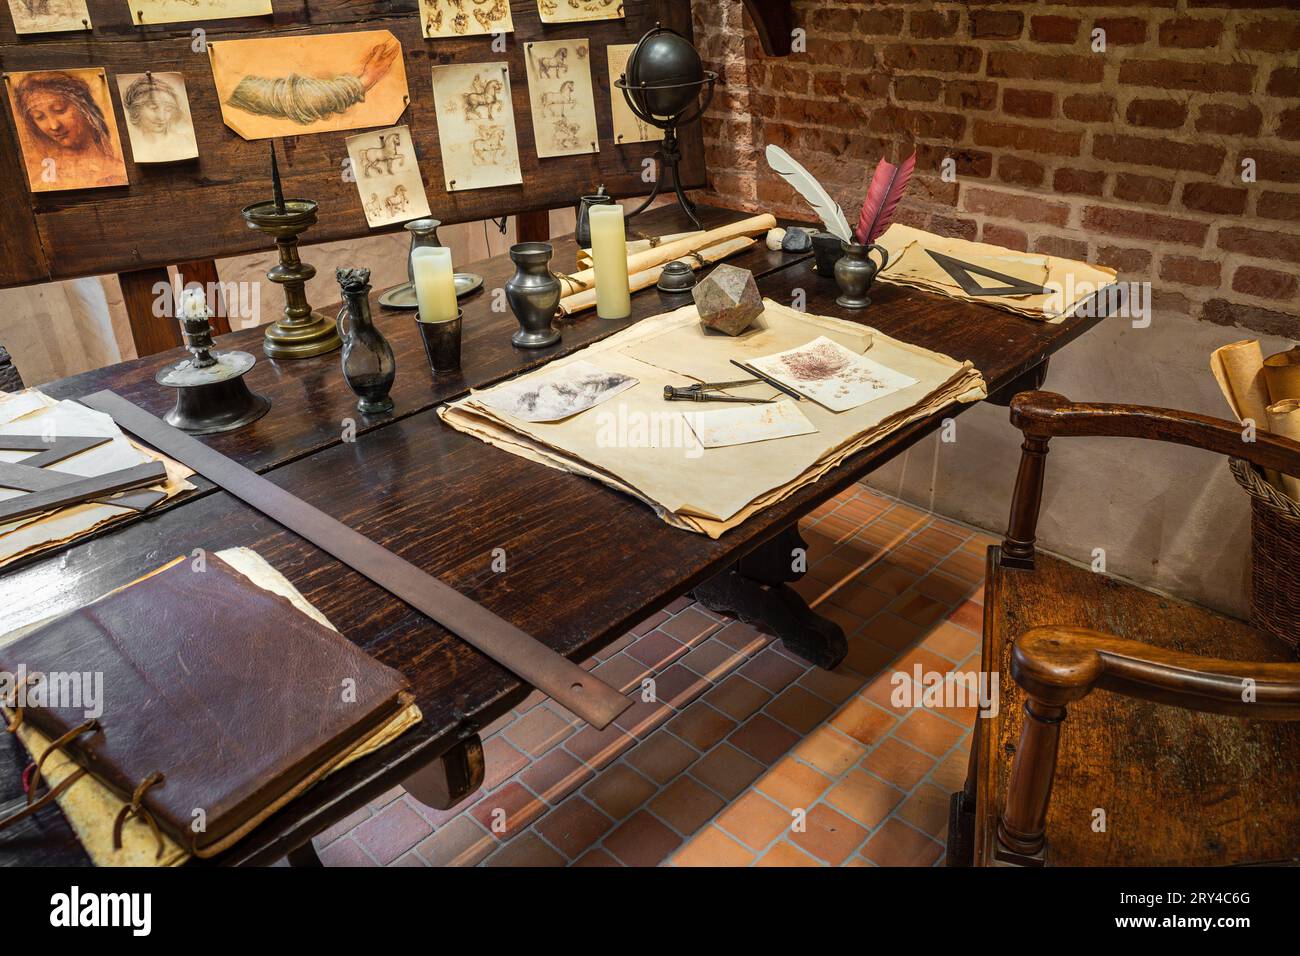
pixel 435 283
pixel 609 260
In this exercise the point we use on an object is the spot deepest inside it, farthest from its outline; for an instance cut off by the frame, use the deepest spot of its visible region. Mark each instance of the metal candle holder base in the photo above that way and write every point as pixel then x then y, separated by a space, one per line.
pixel 442 342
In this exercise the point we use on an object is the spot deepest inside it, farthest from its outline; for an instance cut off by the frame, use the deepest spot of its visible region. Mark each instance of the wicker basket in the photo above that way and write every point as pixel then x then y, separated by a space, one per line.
pixel 1275 555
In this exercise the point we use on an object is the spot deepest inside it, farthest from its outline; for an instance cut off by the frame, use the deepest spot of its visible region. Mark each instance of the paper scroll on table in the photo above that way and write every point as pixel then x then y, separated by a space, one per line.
pixel 1265 391
pixel 641 445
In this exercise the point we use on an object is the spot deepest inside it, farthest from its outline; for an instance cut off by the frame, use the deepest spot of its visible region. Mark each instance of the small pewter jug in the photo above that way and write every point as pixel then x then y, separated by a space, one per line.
pixel 856 271
pixel 534 294
pixel 368 364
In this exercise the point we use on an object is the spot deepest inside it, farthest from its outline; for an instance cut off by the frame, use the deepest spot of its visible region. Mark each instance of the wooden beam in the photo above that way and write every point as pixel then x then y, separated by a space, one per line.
pixel 774 23
pixel 533 226
pixel 152 333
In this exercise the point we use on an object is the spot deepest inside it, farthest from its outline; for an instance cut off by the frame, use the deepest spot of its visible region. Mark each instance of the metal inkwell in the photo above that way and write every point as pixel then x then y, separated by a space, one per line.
pixel 676 277
pixel 211 395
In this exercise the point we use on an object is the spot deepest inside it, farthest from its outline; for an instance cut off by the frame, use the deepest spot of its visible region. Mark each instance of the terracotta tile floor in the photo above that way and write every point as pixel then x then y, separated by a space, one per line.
pixel 743 754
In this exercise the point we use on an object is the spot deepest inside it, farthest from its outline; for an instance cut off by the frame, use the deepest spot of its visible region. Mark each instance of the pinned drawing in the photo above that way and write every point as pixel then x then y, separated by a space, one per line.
pixel 627 127
pixel 184 11
pixel 158 120
pixel 462 18
pixel 476 125
pixel 388 176
pixel 49 16
pixel 831 375
pixel 288 86
pixel 569 11
pixel 67 129
pixel 563 102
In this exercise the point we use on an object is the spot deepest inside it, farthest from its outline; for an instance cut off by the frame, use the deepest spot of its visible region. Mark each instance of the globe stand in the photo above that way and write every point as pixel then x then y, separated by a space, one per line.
pixel 669 158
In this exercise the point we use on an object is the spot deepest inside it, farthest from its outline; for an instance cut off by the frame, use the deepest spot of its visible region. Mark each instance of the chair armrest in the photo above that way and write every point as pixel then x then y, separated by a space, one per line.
pixel 1058 665
pixel 1045 415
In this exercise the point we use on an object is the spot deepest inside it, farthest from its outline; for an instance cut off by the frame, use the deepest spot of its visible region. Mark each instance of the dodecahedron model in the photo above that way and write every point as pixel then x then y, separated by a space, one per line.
pixel 727 299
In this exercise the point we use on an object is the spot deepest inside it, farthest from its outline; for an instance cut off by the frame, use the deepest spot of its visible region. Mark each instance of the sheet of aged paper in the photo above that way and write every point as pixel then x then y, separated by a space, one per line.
pixel 563 104
pixel 158 119
pixel 67 129
pixel 288 86
pixel 387 175
pixel 627 128
pixel 464 18
pixel 184 11
pixel 49 16
pixel 476 125
pixel 567 11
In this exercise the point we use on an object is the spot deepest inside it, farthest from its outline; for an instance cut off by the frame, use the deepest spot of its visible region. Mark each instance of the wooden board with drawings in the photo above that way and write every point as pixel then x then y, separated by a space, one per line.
pixel 65 234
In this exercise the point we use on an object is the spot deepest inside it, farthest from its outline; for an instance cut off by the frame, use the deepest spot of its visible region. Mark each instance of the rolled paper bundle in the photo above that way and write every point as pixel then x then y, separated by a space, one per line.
pixel 640 245
pixel 1282 375
pixel 668 251
pixel 1239 369
pixel 586 299
pixel 1284 420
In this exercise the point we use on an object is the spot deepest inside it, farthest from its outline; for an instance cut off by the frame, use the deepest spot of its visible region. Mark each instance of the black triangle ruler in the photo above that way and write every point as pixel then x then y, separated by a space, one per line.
pixel 963 273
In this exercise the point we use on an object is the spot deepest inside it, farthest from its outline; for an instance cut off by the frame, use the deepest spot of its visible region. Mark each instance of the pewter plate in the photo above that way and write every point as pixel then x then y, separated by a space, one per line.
pixel 403 296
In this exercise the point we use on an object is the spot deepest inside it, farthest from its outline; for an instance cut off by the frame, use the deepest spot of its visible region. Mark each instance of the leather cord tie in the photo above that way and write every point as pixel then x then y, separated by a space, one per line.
pixel 59 744
pixel 136 809
pixel 48 797
pixel 16 720
pixel 34 803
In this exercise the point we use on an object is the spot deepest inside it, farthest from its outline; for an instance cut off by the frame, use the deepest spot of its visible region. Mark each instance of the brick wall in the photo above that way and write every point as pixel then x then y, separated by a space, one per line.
pixel 1131 157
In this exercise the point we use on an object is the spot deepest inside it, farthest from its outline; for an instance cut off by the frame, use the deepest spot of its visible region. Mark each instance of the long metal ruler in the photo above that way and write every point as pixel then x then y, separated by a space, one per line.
pixel 589 697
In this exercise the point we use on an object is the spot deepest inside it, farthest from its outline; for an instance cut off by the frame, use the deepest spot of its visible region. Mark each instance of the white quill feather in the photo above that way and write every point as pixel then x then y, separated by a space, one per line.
pixel 785 165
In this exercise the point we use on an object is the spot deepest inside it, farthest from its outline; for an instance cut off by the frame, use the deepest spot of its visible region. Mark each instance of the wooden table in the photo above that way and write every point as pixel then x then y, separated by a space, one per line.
pixel 585 563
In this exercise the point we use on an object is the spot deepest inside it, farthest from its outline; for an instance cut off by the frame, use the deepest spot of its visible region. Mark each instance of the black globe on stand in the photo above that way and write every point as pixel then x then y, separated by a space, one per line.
pixel 662 85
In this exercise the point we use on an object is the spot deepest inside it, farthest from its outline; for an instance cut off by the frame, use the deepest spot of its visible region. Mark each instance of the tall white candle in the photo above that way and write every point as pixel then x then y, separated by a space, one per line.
pixel 609 260
pixel 435 283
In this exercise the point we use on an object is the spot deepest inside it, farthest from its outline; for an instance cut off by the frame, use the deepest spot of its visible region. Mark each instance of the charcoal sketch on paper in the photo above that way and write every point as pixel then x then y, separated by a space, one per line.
pixel 566 391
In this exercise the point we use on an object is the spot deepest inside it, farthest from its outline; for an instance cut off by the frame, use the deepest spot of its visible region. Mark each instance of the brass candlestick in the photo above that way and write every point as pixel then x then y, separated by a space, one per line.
pixel 303 332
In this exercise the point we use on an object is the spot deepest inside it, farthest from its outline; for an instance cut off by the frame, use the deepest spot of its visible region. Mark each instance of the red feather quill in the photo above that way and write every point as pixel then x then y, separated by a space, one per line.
pixel 883 195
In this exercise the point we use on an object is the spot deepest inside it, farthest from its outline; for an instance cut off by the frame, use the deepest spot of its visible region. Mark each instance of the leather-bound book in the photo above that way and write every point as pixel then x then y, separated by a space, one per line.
pixel 221 700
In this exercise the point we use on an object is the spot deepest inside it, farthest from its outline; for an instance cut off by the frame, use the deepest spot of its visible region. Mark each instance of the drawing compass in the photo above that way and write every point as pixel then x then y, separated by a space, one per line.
pixel 710 392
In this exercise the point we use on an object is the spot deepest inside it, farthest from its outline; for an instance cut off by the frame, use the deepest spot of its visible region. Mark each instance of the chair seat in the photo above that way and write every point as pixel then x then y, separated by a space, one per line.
pixel 1176 787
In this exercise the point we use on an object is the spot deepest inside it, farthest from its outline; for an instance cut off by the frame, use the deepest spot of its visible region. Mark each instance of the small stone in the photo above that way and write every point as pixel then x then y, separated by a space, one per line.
pixel 728 300
pixel 775 238
pixel 796 240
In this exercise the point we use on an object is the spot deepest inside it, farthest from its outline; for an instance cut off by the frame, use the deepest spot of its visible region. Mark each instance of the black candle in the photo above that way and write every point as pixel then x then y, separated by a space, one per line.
pixel 275 181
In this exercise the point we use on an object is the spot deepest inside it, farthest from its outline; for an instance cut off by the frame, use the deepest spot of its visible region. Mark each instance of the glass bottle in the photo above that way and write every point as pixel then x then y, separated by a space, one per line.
pixel 368 364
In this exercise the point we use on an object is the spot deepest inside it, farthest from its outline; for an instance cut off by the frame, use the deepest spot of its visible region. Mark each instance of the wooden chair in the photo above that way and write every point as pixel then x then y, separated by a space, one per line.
pixel 1186 756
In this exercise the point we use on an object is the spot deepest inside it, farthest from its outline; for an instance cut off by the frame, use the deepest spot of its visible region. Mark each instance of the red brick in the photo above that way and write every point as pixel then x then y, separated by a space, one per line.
pixel 970 94
pixel 881 22
pixel 1144 225
pixel 1030 139
pixel 1017 207
pixel 1265 283
pixel 1005 236
pixel 1165 153
pixel 1188 270
pixel 1037 104
pixel 953 226
pixel 1148 189
pixel 1122 31
pixel 831 20
pixel 996 24
pixel 933 57
pixel 1273 36
pixel 1273 167
pixel 921 124
pixel 1124 260
pixel 1288 124
pixel 1284 81
pixel 1021 172
pixel 933 25
pixel 923 89
pixel 1222 200
pixel 1231 120
pixel 969 162
pixel 1061 246
pixel 1053 29
pixel 1268 321
pixel 1089 107
pixel 1263 244
pixel 1272 205
pixel 1160 114
pixel 1017 64
pixel 1086 182
pixel 1191 34
pixel 1198 77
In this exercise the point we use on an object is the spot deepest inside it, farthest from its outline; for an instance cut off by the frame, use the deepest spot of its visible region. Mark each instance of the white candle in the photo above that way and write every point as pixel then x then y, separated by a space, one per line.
pixel 609 260
pixel 435 283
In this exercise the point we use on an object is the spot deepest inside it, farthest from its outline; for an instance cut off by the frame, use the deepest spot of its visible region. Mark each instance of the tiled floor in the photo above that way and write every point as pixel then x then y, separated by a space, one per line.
pixel 739 753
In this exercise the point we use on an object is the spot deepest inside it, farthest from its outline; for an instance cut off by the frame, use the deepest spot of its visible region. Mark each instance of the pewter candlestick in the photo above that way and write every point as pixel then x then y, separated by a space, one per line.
pixel 303 332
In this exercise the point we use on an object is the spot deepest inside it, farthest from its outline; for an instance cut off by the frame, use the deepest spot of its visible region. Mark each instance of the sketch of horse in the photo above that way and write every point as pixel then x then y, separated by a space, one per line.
pixel 398 202
pixel 555 104
pixel 566 135
pixel 487 18
pixel 490 145
pixel 553 67
pixel 388 151
pixel 482 96
pixel 374 208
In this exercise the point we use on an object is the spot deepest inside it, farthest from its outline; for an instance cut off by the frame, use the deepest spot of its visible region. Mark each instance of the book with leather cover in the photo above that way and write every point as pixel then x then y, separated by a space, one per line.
pixel 224 694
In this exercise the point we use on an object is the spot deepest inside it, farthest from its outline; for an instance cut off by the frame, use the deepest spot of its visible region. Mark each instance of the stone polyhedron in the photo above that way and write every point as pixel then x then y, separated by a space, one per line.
pixel 727 299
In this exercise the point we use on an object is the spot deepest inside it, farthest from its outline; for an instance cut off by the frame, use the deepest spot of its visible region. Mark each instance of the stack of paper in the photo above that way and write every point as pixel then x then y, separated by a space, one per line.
pixel 639 443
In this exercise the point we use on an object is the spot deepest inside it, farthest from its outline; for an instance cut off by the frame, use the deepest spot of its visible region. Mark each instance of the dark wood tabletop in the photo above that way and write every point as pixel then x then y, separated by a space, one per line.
pixel 584 562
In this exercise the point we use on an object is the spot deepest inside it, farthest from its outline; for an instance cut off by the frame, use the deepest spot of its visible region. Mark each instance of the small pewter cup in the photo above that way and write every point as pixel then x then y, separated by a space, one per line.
pixel 442 342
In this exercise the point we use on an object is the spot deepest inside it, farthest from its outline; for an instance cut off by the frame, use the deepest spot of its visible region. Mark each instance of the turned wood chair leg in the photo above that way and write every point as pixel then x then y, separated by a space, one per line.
pixel 1023 822
pixel 1022 528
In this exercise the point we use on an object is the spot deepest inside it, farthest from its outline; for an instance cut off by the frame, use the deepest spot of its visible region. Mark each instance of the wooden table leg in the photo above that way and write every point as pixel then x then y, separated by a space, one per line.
pixel 451 778
pixel 755 589
pixel 1026 382
pixel 304 856
pixel 961 809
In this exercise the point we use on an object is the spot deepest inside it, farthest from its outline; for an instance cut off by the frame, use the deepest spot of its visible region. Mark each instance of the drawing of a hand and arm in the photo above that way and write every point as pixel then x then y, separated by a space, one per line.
pixel 306 99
